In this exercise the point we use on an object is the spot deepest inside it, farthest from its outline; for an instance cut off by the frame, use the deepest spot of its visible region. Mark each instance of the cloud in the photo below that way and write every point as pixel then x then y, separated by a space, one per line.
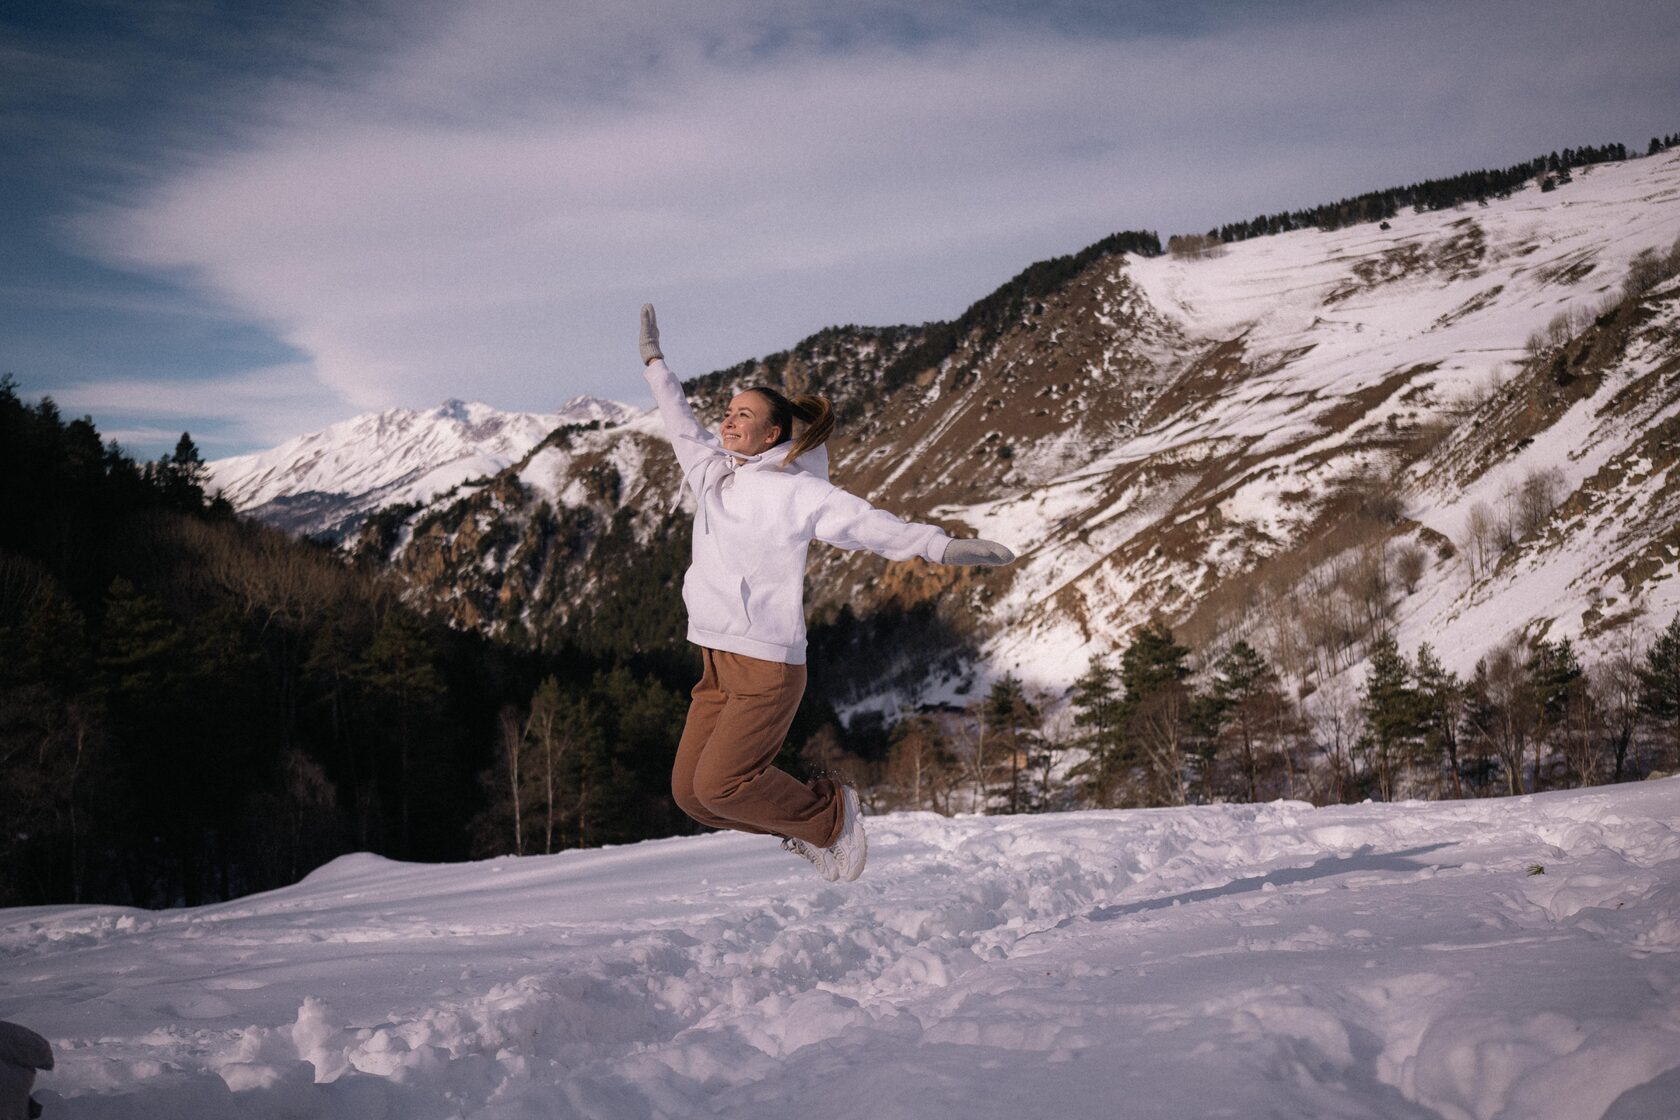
pixel 481 210
pixel 226 415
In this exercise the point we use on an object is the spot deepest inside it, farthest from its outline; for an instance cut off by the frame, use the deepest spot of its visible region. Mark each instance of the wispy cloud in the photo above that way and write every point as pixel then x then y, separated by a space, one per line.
pixel 225 415
pixel 480 209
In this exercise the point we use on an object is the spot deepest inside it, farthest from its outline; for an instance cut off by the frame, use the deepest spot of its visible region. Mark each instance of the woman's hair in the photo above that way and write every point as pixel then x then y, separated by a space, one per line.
pixel 817 413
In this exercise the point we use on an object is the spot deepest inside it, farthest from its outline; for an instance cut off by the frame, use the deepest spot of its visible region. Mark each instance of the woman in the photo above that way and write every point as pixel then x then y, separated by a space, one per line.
pixel 757 510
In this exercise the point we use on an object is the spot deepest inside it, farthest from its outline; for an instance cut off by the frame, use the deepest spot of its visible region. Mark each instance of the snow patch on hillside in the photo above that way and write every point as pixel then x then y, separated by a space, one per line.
pixel 1439 305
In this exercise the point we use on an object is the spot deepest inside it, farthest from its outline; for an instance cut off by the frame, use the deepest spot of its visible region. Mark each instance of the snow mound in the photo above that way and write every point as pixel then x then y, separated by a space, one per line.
pixel 1463 960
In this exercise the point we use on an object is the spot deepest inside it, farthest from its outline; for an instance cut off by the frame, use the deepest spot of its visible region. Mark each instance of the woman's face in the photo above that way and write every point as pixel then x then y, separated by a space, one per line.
pixel 746 427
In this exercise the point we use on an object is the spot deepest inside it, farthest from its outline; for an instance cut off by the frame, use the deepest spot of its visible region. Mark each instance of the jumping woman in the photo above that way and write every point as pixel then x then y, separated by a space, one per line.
pixel 758 508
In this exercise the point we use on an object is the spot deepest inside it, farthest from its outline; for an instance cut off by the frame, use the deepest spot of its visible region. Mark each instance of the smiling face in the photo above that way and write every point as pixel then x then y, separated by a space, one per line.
pixel 746 427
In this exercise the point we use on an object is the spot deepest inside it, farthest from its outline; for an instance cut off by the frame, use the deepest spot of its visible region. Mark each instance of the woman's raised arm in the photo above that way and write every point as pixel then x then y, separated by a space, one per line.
pixel 692 442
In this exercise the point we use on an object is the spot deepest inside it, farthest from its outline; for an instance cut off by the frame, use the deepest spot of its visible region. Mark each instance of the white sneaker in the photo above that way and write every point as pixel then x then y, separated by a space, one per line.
pixel 851 850
pixel 821 857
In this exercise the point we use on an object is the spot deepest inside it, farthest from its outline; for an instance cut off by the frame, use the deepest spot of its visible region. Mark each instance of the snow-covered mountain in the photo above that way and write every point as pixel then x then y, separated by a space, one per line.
pixel 1459 423
pixel 1516 957
pixel 326 482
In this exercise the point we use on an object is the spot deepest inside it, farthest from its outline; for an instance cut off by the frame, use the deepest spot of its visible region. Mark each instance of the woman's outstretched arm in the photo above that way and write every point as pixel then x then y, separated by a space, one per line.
pixel 847 521
pixel 692 442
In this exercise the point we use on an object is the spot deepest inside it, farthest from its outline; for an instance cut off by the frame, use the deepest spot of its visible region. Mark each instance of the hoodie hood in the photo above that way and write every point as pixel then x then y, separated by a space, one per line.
pixel 814 462
pixel 711 470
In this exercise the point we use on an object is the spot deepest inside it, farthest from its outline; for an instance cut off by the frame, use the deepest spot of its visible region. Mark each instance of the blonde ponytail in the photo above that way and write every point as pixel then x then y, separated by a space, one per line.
pixel 816 413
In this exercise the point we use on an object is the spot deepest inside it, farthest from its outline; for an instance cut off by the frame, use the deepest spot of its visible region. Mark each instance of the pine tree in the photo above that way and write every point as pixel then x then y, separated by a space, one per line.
pixel 1440 696
pixel 1206 728
pixel 237 783
pixel 180 476
pixel 334 681
pixel 1156 708
pixel 1251 700
pixel 401 678
pixel 1015 722
pixel 1097 716
pixel 51 739
pixel 1392 723
pixel 1556 678
pixel 623 773
pixel 1659 686
pixel 143 658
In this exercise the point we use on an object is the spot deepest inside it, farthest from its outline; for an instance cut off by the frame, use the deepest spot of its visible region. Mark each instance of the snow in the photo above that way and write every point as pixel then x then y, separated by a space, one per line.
pixel 401 455
pixel 1254 960
pixel 1443 303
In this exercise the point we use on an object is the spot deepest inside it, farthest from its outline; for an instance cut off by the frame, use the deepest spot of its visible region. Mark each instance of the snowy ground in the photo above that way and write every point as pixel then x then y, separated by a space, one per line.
pixel 1246 961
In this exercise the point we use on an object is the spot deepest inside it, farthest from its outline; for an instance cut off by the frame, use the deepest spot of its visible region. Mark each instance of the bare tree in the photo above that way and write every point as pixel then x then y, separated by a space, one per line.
pixel 822 753
pixel 510 738
pixel 919 764
pixel 1505 525
pixel 1409 563
pixel 1479 527
pixel 1536 498
pixel 1056 735
pixel 1328 620
pixel 1615 683
pixel 1365 581
pixel 1501 710
pixel 1159 724
pixel 1282 636
pixel 1194 246
pixel 974 754
pixel 1577 733
pixel 1333 715
pixel 554 730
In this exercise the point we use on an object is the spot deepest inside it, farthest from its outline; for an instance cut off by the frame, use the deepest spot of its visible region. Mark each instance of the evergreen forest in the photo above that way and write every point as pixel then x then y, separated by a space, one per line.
pixel 194 706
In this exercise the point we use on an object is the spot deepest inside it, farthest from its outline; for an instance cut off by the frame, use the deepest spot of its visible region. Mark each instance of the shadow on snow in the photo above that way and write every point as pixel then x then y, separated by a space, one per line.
pixel 1362 860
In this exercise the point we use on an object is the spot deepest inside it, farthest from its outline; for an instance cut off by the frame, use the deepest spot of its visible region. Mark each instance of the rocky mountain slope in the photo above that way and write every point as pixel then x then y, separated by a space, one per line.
pixel 325 483
pixel 1457 424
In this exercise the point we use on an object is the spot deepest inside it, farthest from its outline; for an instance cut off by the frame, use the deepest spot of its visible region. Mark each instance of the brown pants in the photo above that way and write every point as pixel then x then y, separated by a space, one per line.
pixel 736 725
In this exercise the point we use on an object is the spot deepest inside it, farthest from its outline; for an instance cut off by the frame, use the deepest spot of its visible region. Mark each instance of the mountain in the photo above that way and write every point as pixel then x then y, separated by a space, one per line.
pixel 1511 957
pixel 1457 425
pixel 326 483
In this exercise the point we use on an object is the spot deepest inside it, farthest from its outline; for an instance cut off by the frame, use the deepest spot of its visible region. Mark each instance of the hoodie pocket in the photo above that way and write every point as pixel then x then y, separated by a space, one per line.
pixel 716 605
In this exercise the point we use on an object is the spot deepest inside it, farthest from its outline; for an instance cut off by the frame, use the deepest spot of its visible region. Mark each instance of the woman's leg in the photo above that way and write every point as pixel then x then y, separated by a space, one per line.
pixel 703 712
pixel 733 778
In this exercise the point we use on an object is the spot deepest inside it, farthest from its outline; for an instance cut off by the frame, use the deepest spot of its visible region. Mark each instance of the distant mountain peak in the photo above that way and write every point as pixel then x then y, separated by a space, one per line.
pixel 327 482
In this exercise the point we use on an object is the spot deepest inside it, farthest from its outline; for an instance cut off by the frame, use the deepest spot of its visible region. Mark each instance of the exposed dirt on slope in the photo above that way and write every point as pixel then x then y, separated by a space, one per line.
pixel 1457 255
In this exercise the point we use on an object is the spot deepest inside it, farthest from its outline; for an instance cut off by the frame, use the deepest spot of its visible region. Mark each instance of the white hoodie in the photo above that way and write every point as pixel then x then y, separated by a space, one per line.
pixel 745 589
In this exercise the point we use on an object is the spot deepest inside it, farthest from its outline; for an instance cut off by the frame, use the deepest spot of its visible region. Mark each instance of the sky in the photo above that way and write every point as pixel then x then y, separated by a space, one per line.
pixel 249 221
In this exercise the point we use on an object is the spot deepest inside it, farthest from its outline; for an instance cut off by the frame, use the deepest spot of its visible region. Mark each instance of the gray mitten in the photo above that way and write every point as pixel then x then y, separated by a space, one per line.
pixel 976 551
pixel 650 335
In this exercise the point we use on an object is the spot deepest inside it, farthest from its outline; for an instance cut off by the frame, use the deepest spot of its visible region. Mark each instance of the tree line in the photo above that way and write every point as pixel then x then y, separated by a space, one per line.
pixel 1548 171
pixel 1160 726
